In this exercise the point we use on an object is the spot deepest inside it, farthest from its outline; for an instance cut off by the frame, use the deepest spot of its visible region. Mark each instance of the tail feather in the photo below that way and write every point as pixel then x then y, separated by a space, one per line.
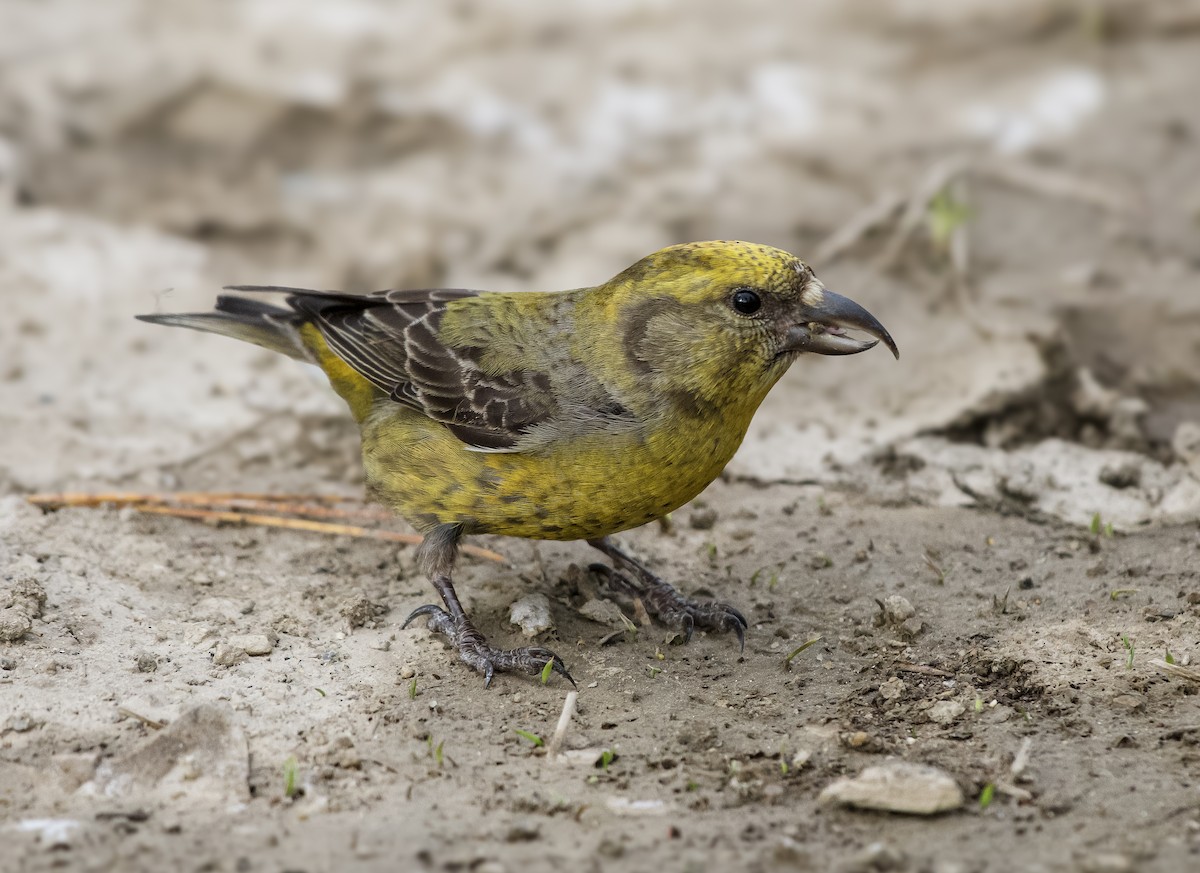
pixel 252 321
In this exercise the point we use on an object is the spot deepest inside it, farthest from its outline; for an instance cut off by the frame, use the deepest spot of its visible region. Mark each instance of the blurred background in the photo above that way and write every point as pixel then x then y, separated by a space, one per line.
pixel 1013 188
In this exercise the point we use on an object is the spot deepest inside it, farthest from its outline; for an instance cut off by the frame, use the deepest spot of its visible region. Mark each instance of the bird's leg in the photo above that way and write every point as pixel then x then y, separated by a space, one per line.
pixel 437 554
pixel 663 601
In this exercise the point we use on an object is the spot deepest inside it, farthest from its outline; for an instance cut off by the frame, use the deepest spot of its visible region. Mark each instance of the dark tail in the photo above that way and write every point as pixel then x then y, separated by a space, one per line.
pixel 252 321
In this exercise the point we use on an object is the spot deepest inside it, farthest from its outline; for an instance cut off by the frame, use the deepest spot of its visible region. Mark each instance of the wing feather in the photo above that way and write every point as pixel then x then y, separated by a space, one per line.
pixel 392 339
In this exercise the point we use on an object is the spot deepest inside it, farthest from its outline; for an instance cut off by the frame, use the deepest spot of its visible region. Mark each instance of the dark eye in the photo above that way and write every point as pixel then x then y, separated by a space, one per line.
pixel 746 301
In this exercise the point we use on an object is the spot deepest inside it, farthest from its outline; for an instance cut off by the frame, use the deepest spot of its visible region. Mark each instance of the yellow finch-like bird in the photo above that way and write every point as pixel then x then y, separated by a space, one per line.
pixel 557 416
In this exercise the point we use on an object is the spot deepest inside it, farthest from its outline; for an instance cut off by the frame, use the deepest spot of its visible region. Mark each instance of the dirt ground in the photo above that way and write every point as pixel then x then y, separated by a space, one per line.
pixel 991 547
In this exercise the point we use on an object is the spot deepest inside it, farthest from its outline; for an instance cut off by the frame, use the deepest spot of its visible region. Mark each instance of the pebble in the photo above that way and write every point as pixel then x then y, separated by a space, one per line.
pixel 896 786
pixel 14 624
pixel 858 739
pixel 532 614
pixel 252 644
pixel 896 610
pixel 892 689
pixel 603 612
pixel 946 711
pixel 226 655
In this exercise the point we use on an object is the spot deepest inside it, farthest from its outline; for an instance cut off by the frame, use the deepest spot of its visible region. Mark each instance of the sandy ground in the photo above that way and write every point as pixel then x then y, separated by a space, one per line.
pixel 995 542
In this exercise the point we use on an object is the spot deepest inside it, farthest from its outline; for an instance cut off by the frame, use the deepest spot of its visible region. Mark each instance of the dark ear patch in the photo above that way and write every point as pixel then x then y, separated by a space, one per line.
pixel 636 329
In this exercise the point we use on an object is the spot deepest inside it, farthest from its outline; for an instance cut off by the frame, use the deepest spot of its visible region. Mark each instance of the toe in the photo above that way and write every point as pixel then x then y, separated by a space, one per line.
pixel 736 616
pixel 561 669
pixel 435 613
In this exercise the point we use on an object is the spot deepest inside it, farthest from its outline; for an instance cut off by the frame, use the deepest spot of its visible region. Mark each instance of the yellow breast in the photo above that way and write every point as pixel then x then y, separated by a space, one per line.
pixel 587 487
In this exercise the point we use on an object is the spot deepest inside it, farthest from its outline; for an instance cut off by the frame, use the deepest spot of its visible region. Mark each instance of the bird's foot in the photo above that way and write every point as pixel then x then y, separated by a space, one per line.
pixel 673 609
pixel 474 650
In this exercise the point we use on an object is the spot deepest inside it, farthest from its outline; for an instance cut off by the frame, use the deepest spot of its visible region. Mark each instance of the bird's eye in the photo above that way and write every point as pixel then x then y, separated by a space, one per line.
pixel 746 301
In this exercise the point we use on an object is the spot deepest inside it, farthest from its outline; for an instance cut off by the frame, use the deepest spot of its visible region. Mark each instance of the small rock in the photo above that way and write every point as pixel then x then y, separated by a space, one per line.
pixel 1131 702
pixel 892 689
pixel 252 644
pixel 858 739
pixel 702 519
pixel 532 614
pixel 7 664
pixel 23 590
pixel 14 624
pixel 946 711
pixel 226 655
pixel 603 612
pixel 146 663
pixel 19 724
pixel 895 610
pixel 896 786
pixel 407 672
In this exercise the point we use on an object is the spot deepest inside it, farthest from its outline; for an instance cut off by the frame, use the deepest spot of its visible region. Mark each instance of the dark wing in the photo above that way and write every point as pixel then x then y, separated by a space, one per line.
pixel 391 338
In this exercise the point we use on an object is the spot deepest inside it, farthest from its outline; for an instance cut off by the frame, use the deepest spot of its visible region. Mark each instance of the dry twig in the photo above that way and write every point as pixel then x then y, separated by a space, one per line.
pixel 230 508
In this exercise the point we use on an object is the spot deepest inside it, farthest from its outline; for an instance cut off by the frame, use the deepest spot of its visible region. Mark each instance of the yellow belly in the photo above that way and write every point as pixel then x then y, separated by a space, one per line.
pixel 588 487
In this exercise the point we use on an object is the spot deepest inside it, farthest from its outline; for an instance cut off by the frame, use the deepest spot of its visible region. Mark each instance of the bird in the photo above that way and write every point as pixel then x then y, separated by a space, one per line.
pixel 568 415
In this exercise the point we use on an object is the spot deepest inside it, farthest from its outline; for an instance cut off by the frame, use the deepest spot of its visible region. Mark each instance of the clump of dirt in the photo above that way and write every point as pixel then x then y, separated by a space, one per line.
pixel 21 600
pixel 1071 403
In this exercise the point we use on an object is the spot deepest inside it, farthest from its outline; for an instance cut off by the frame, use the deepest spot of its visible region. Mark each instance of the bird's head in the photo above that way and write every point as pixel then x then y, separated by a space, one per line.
pixel 728 318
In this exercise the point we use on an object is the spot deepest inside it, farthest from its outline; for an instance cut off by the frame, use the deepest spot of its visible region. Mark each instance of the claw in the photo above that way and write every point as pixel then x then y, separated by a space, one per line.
pixel 427 609
pixel 475 651
pixel 671 607
pixel 559 667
